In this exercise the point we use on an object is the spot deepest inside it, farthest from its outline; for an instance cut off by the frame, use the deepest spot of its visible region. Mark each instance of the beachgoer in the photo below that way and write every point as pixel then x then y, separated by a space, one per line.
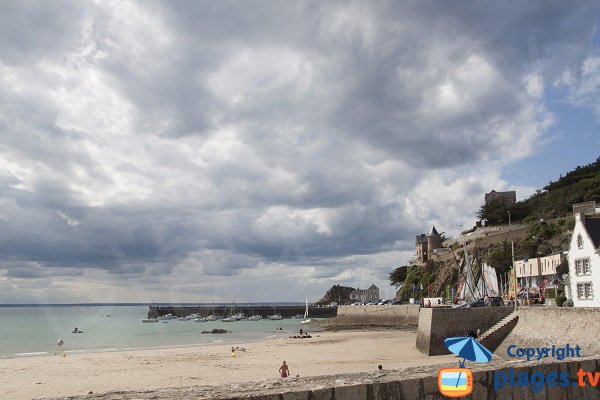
pixel 284 370
pixel 300 331
pixel 422 303
pixel 429 303
pixel 232 352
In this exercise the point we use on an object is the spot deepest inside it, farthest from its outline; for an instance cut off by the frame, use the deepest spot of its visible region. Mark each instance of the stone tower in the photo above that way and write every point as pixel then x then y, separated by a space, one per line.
pixel 434 240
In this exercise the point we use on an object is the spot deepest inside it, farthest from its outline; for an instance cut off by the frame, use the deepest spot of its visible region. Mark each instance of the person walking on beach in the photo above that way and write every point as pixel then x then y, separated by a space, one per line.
pixel 284 370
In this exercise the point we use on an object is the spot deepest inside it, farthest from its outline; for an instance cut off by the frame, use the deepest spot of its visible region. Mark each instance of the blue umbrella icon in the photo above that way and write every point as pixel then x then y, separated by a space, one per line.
pixel 469 349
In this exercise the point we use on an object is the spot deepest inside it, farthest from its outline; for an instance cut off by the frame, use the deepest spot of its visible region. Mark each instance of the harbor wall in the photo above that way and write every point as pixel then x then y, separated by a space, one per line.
pixel 545 326
pixel 437 324
pixel 401 314
pixel 264 310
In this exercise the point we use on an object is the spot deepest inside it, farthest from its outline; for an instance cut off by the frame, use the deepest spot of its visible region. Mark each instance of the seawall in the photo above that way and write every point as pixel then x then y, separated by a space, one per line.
pixel 264 310
pixel 401 314
pixel 545 326
pixel 437 324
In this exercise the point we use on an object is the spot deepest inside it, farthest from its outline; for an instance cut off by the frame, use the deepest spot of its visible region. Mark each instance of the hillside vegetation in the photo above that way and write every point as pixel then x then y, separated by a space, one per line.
pixel 556 200
pixel 547 225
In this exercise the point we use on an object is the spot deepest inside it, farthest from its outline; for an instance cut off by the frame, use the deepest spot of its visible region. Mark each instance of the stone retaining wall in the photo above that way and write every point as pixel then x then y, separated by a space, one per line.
pixel 545 326
pixel 436 324
pixel 401 314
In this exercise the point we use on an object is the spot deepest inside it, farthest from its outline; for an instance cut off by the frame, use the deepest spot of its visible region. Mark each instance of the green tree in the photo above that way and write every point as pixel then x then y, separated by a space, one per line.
pixel 398 276
pixel 501 258
pixel 495 212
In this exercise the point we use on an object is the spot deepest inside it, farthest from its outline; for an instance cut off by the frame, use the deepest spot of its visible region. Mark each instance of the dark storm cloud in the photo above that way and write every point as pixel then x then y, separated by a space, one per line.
pixel 138 138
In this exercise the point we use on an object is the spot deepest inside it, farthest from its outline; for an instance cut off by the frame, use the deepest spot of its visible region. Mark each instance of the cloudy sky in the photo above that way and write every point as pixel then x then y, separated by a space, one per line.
pixel 191 151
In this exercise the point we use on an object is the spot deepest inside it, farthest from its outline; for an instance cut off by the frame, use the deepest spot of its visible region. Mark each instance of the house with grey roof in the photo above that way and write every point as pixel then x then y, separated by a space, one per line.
pixel 584 261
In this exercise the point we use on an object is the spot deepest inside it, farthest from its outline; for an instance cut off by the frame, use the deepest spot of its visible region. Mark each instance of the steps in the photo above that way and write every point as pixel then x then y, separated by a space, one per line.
pixel 509 318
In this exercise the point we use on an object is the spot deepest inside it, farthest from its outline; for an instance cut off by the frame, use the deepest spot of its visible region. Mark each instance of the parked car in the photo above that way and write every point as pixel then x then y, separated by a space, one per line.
pixel 494 302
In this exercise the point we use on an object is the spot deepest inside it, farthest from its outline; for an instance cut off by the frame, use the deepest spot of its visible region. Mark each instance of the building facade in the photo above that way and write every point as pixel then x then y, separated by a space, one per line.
pixel 427 244
pixel 370 294
pixel 538 272
pixel 509 197
pixel 584 261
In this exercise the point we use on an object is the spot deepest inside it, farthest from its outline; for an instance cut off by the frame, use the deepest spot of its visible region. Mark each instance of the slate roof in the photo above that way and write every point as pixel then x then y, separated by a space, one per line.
pixel 433 231
pixel 592 225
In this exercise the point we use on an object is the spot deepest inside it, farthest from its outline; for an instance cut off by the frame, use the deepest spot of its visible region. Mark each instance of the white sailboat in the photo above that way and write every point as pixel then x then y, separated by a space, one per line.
pixel 306 320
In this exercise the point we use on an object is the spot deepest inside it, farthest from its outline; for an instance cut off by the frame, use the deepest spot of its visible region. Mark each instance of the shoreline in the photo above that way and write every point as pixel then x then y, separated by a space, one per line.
pixel 326 353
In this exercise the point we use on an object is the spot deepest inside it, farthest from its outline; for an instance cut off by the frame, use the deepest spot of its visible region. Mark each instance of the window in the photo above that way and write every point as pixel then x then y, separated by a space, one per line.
pixel 585 266
pixel 579 242
pixel 582 266
pixel 585 291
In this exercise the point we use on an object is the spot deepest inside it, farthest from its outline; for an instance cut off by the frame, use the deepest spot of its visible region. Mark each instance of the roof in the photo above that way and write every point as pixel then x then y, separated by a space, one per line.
pixel 373 287
pixel 421 238
pixel 592 225
pixel 433 231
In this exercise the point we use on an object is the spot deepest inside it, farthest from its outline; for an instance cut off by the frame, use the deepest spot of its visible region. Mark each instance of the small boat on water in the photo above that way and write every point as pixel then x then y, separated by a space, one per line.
pixel 275 317
pixel 167 317
pixel 255 318
pixel 229 319
pixel 211 317
pixel 238 316
pixel 149 320
pixel 306 320
pixel 200 319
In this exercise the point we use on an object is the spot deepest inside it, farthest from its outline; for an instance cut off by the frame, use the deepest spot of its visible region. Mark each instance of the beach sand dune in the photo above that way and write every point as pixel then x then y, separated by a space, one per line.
pixel 326 354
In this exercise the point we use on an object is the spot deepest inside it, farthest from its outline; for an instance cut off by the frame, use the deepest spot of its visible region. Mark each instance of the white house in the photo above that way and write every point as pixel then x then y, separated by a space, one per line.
pixel 584 261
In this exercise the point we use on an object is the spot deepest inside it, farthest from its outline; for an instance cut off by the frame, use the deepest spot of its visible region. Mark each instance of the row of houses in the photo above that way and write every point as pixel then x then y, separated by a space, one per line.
pixel 583 259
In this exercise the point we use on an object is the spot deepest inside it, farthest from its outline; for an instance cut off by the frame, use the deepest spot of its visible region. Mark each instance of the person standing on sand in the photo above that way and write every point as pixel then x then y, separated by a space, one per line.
pixel 284 370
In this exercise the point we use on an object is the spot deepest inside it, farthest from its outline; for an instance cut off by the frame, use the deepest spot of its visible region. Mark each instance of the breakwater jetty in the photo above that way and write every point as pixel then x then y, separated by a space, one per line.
pixel 286 311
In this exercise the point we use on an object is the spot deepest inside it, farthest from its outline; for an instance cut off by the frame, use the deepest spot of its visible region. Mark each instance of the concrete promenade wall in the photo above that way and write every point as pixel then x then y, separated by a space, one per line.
pixel 545 326
pixel 403 314
pixel 436 324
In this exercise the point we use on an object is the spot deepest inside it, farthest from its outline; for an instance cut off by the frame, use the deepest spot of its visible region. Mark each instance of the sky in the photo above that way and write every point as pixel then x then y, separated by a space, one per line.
pixel 199 151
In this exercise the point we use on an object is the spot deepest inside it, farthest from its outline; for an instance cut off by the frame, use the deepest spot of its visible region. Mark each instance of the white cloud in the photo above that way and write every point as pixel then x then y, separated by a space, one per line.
pixel 165 146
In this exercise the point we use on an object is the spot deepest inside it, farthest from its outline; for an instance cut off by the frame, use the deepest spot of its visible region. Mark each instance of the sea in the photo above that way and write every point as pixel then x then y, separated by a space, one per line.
pixel 27 331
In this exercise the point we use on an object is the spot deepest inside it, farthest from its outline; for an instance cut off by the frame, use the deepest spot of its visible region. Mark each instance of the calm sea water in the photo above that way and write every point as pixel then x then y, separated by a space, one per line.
pixel 27 331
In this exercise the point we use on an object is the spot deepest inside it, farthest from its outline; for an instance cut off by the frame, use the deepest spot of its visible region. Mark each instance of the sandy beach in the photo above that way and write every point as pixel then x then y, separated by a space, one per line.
pixel 326 354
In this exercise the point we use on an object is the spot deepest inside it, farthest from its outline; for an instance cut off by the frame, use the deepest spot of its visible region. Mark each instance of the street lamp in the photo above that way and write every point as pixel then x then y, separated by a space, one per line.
pixel 544 240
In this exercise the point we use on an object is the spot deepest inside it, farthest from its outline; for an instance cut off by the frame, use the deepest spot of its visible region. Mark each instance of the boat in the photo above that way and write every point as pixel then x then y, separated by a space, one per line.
pixel 166 317
pixel 238 316
pixel 149 320
pixel 211 317
pixel 200 319
pixel 229 319
pixel 275 317
pixel 306 320
pixel 255 318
